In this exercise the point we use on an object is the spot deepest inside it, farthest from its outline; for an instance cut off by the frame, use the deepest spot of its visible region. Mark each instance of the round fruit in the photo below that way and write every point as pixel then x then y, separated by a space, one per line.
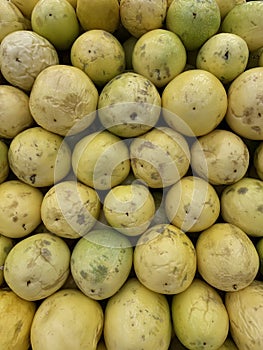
pixel 23 55
pixel 19 208
pixel 70 209
pixel 15 115
pixel 192 204
pixel 194 102
pixel 108 18
pixel 225 55
pixel 15 322
pixel 4 165
pixel 39 157
pixel 245 20
pixel 193 21
pixel 55 20
pixel 140 16
pixel 6 244
pixel 136 317
pixel 63 100
pixel 99 54
pixel 244 308
pixel 107 157
pixel 129 105
pixel 37 266
pixel 226 5
pixel 226 257
pixel 244 104
pixel 160 157
pixel 129 208
pixel 26 7
pixel 159 55
pixel 165 259
pixel 221 157
pixel 200 319
pixel 67 320
pixel 101 262
pixel 242 205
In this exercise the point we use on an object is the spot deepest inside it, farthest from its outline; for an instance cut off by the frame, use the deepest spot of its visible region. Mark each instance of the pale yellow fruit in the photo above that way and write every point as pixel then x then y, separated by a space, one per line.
pixel 39 157
pixel 194 102
pixel 226 257
pixel 160 157
pixel 107 157
pixel 192 204
pixel 67 320
pixel 242 205
pixel 221 157
pixel 258 160
pixel 244 104
pixel 129 208
pixel 245 310
pixel 200 319
pixel 23 55
pixel 4 165
pixel 63 100
pixel 6 245
pixel 108 18
pixel 99 54
pixel 140 16
pixel 136 317
pixel 159 55
pixel 70 209
pixel 226 5
pixel 225 55
pixel 132 111
pixel 37 266
pixel 26 7
pixel 101 262
pixel 19 208
pixel 15 322
pixel 15 115
pixel 165 259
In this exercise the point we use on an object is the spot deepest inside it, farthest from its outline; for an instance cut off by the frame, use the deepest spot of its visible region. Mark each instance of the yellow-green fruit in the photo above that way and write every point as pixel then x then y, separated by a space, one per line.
pixel 4 165
pixel 245 20
pixel 23 55
pixel 136 317
pixel 221 157
pixel 6 245
pixel 259 247
pixel 39 157
pixel 15 322
pixel 140 16
pixel 244 104
pixel 129 208
pixel 226 5
pixel 56 20
pixel 70 209
pixel 200 319
pixel 26 7
pixel 107 157
pixel 242 205
pixel 11 19
pixel 101 262
pixel 192 204
pixel 159 55
pixel 244 308
pixel 19 208
pixel 225 55
pixel 160 157
pixel 165 259
pixel 15 115
pixel 192 110
pixel 258 160
pixel 99 54
pixel 98 14
pixel 67 320
pixel 63 100
pixel 193 21
pixel 129 105
pixel 37 266
pixel 226 257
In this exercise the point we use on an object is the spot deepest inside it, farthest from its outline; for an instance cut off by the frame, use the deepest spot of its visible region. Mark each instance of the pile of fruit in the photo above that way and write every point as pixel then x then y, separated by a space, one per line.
pixel 131 174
